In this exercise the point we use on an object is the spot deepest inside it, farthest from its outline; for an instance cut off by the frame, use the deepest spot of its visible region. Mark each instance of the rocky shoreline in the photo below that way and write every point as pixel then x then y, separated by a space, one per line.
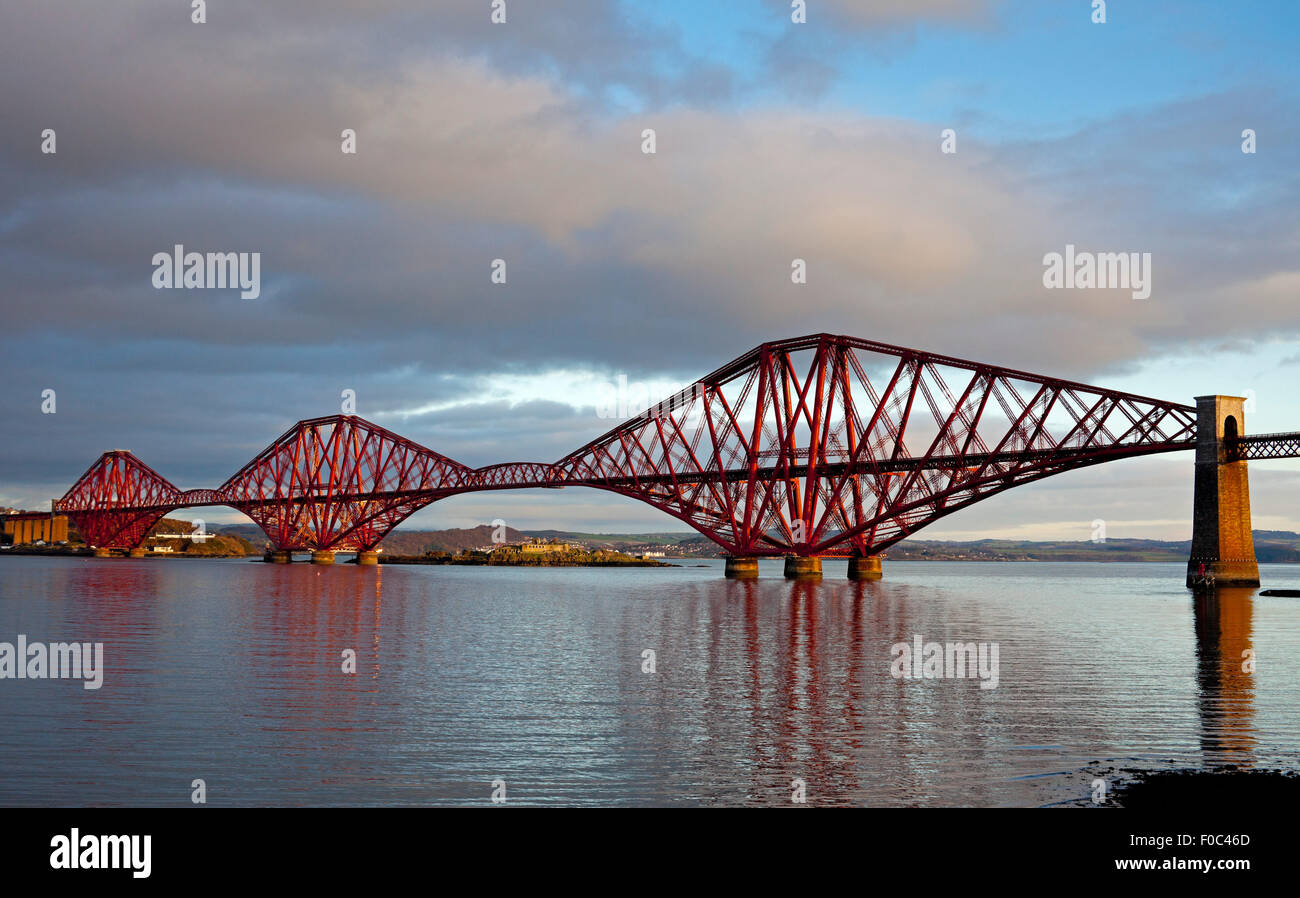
pixel 1194 789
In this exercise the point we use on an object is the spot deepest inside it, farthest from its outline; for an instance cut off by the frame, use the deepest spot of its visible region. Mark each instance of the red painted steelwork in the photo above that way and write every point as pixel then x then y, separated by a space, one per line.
pixel 339 483
pixel 810 446
pixel 821 445
pixel 1263 445
pixel 117 501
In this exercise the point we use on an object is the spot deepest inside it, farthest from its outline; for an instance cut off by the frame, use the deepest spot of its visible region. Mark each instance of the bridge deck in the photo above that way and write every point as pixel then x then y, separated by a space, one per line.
pixel 1264 445
pixel 866 469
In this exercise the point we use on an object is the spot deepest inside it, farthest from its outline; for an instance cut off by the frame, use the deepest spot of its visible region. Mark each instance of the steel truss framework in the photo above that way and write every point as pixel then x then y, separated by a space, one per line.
pixel 1264 445
pixel 822 445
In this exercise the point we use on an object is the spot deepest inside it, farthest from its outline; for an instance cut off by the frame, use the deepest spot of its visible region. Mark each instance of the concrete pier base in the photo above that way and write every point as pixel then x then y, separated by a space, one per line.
pixel 741 568
pixel 368 557
pixel 278 557
pixel 324 556
pixel 1223 574
pixel 866 567
pixel 103 553
pixel 136 553
pixel 801 567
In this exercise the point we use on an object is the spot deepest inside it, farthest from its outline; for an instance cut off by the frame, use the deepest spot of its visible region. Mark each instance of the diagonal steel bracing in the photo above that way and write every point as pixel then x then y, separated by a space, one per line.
pixel 820 445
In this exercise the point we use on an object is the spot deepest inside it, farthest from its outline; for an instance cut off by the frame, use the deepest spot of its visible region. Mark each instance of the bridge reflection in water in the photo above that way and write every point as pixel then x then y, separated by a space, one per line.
pixel 233 671
pixel 1225 690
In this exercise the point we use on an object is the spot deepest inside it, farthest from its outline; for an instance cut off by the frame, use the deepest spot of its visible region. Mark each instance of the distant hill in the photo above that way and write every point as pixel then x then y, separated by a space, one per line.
pixel 1028 550
pixel 1277 546
pixel 620 539
pixel 417 542
pixel 250 532
pixel 1271 546
pixel 409 542
pixel 219 543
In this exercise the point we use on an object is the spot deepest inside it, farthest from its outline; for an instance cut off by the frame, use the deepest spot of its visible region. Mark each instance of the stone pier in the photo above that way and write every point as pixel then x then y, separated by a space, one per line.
pixel 1221 538
pixel 866 567
pixel 369 556
pixel 322 556
pixel 278 556
pixel 803 567
pixel 741 568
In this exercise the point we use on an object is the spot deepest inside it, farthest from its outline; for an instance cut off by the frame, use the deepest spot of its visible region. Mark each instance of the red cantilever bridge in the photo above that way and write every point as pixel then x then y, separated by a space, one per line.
pixel 817 446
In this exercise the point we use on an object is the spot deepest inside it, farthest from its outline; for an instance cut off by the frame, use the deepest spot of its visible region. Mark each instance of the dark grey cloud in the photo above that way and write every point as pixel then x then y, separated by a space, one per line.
pixel 479 143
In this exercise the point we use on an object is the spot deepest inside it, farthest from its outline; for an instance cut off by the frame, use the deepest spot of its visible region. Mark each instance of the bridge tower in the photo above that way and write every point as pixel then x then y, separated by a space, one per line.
pixel 1221 536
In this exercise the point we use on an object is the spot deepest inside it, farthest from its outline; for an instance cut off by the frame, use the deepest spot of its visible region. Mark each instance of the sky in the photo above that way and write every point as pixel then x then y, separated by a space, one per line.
pixel 522 141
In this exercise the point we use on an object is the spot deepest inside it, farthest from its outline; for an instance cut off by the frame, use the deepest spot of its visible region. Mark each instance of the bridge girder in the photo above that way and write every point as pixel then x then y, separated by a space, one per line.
pixel 813 446
pixel 810 446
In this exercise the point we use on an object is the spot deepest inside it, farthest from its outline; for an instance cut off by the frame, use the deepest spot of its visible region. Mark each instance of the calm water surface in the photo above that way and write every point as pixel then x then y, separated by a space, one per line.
pixel 229 671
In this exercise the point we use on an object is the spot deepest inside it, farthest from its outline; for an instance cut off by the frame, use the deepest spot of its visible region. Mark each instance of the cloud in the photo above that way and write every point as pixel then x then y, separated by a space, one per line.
pixel 609 248
pixel 875 13
pixel 478 143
